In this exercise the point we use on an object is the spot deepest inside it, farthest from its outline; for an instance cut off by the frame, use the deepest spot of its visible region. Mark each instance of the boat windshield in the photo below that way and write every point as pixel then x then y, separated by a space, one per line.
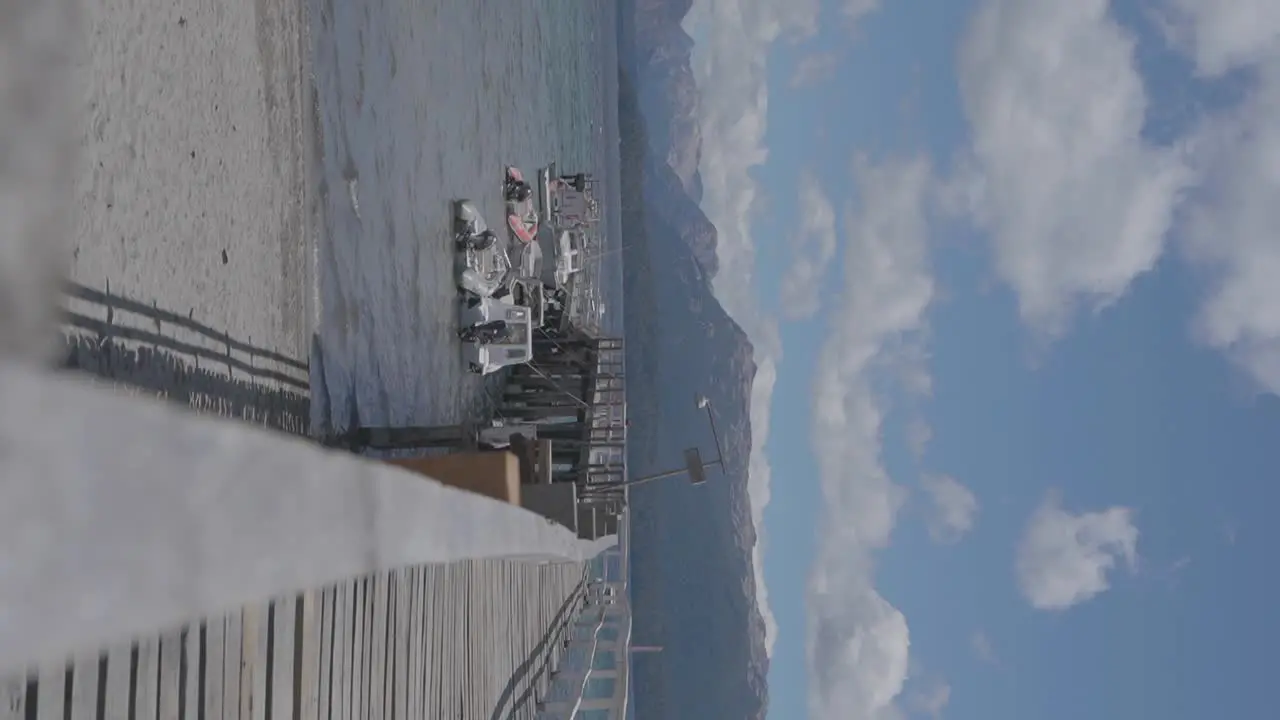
pixel 515 334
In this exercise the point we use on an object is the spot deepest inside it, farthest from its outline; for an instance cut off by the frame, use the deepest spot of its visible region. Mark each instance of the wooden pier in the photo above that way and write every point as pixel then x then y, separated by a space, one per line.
pixel 472 640
pixel 575 392
pixel 563 414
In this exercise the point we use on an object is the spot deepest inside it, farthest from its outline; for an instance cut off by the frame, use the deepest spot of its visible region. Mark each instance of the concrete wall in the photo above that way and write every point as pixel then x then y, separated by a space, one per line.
pixel 555 501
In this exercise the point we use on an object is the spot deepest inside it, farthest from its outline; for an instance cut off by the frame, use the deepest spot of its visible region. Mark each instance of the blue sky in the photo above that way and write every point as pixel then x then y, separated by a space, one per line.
pixel 1014 262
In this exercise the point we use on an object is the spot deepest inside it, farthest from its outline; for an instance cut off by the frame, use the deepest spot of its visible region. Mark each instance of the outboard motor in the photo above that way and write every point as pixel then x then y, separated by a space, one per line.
pixel 478 241
pixel 466 218
pixel 577 182
pixel 483 332
pixel 518 191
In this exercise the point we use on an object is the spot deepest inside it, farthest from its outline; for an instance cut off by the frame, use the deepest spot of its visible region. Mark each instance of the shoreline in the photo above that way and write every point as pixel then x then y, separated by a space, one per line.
pixel 216 259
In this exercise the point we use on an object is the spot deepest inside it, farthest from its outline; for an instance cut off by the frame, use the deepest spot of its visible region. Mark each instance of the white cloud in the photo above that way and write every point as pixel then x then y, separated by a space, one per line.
pixel 813 69
pixel 813 247
pixel 1230 532
pixel 932 700
pixel 855 10
pixel 982 647
pixel 1076 202
pixel 1064 559
pixel 861 655
pixel 857 642
pixel 729 66
pixel 759 476
pixel 919 435
pixel 1232 232
pixel 1226 34
pixel 954 508
pixel 1232 219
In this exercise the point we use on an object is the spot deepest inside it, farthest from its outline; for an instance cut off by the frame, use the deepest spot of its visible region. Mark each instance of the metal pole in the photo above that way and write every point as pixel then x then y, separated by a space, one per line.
pixel 711 417
pixel 635 481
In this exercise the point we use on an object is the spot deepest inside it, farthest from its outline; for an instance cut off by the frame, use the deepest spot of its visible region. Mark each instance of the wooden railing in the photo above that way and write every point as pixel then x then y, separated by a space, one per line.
pixel 463 640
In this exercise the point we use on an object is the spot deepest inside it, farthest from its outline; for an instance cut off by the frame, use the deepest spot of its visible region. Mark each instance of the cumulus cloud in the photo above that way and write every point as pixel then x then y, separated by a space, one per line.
pixel 759 484
pixel 919 435
pixel 954 508
pixel 729 65
pixel 1227 34
pixel 1065 559
pixel 1231 233
pixel 1076 202
pixel 858 643
pixel 813 69
pixel 982 647
pixel 932 700
pixel 1232 218
pixel 859 659
pixel 813 246
pixel 855 10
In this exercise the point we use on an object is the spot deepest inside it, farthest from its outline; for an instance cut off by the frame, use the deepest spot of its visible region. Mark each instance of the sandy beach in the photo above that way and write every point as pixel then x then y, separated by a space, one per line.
pixel 192 196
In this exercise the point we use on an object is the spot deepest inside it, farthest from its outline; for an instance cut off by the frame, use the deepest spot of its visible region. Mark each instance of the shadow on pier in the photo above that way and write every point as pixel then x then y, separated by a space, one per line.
pixel 416 642
pixel 537 663
pixel 190 374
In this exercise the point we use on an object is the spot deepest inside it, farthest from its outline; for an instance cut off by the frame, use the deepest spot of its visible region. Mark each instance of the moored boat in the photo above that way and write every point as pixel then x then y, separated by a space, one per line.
pixel 522 214
pixel 495 333
pixel 483 263
pixel 568 201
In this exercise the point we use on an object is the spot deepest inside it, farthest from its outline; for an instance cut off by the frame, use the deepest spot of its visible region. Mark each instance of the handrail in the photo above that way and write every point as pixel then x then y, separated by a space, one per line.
pixel 586 676
pixel 546 657
pixel 565 708
pixel 122 515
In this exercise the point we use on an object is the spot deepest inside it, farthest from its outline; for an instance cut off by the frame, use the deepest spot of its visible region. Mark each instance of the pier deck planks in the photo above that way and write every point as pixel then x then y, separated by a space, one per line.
pixel 465 641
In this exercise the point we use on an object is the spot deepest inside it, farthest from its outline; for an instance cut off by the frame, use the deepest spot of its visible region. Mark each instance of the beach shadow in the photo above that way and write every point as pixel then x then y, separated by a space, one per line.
pixel 160 318
pixel 170 368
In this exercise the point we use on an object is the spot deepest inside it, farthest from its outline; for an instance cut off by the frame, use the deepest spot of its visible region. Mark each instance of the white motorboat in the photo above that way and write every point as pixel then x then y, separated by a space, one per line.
pixel 483 263
pixel 568 203
pixel 529 292
pixel 495 333
pixel 570 255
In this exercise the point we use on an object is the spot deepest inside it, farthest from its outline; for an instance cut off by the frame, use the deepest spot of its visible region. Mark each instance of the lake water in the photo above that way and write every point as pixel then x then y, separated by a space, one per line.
pixel 263 192
pixel 418 103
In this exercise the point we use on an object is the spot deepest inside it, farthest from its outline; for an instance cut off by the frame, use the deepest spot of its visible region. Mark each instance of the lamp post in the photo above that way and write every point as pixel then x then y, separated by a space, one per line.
pixel 705 403
pixel 694 465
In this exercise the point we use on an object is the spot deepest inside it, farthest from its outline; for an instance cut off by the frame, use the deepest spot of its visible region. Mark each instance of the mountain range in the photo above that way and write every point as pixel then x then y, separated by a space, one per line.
pixel 693 584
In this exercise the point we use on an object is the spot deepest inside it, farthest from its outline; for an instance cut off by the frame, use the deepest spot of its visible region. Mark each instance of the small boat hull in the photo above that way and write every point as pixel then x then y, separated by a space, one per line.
pixel 467 219
pixel 483 263
pixel 523 229
pixel 522 216
pixel 491 352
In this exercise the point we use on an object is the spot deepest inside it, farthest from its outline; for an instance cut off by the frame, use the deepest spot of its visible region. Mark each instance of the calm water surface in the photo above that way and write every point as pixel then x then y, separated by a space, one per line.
pixel 419 102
